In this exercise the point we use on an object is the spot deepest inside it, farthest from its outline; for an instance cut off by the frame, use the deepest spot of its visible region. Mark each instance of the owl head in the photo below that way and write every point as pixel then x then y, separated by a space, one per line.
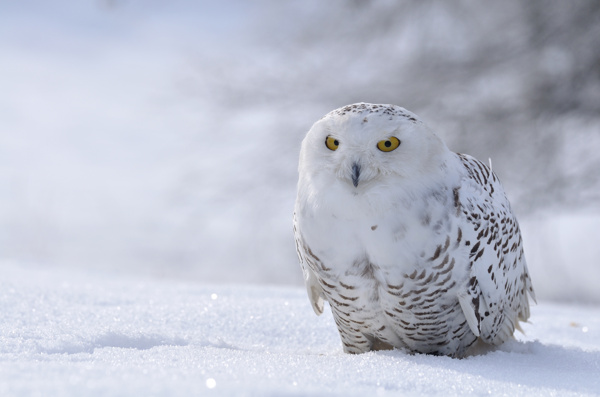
pixel 364 145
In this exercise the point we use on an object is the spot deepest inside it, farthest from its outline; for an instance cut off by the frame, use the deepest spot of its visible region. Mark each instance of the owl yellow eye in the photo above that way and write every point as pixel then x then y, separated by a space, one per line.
pixel 389 144
pixel 332 143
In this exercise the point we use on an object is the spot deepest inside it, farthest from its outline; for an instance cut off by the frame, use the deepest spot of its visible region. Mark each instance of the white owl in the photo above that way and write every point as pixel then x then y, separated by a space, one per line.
pixel 413 246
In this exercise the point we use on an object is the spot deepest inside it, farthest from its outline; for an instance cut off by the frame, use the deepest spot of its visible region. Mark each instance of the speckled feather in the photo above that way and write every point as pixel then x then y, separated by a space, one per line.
pixel 423 254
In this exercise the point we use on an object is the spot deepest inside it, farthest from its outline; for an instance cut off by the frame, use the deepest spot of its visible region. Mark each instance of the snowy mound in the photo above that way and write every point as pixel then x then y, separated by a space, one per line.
pixel 85 334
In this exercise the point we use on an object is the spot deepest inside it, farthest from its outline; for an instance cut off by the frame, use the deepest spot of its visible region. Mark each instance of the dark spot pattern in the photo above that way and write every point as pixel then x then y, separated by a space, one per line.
pixel 368 109
pixel 498 293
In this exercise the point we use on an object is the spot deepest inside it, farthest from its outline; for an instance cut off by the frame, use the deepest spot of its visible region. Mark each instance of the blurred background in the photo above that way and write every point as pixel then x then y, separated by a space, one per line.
pixel 160 138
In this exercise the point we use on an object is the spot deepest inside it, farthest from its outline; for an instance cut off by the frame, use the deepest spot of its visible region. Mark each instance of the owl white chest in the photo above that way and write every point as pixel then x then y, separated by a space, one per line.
pixel 385 227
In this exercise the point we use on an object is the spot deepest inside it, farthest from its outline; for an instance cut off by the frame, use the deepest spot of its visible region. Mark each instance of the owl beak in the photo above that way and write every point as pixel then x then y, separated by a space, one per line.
pixel 355 173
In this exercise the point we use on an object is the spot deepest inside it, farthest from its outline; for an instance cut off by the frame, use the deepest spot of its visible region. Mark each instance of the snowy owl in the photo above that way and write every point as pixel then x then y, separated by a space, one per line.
pixel 414 246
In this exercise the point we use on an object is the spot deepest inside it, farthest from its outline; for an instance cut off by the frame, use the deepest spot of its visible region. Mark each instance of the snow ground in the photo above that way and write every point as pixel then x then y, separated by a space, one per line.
pixel 88 334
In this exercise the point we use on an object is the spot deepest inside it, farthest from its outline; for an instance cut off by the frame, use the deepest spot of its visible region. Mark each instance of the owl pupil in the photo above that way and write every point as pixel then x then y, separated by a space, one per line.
pixel 388 143
pixel 336 143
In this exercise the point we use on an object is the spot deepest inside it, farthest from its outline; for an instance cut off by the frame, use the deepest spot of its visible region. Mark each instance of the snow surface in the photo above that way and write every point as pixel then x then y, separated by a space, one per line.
pixel 88 334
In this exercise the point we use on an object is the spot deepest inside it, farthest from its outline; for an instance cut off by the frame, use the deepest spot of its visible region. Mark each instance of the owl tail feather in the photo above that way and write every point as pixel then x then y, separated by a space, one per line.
pixel 466 305
pixel 317 301
pixel 315 292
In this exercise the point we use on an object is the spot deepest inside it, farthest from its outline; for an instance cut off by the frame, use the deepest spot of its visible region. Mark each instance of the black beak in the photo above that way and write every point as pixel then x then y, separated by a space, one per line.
pixel 355 174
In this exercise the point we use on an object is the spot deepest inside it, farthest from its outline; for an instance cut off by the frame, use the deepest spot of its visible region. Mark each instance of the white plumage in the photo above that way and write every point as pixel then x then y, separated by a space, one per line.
pixel 413 246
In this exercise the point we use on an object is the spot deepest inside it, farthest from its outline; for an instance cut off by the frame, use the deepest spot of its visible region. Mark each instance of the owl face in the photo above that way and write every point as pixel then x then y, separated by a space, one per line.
pixel 367 147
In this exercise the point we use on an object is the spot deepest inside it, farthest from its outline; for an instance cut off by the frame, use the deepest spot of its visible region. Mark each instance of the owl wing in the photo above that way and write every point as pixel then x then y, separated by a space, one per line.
pixel 495 295
pixel 307 260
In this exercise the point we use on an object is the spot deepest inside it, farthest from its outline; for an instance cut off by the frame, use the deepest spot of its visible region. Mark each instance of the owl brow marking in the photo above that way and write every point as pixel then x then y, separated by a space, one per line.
pixel 394 133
